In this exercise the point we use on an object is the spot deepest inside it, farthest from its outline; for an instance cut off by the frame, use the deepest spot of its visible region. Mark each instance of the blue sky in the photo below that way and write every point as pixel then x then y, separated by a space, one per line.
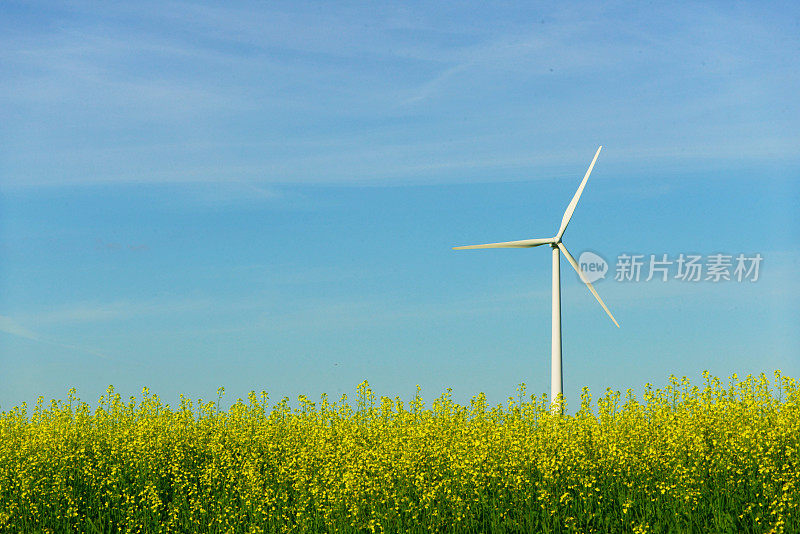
pixel 263 196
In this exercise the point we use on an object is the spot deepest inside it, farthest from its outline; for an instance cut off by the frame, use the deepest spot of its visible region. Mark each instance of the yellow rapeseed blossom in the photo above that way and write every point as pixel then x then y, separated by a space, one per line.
pixel 685 458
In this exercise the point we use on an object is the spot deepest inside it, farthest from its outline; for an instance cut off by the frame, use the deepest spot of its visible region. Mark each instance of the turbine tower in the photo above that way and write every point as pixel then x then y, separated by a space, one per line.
pixel 556 380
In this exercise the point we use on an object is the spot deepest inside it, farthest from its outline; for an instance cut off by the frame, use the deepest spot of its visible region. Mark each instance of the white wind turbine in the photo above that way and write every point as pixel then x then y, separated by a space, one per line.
pixel 556 380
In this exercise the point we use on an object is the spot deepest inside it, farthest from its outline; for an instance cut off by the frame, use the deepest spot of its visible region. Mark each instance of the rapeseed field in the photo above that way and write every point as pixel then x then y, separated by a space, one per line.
pixel 683 458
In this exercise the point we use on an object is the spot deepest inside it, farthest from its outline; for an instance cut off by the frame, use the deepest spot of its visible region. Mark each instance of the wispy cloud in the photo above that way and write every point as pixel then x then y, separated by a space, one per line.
pixel 262 94
pixel 11 327
pixel 123 310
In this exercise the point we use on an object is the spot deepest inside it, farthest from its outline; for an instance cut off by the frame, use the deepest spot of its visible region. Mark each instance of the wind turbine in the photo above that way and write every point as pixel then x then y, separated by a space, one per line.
pixel 556 379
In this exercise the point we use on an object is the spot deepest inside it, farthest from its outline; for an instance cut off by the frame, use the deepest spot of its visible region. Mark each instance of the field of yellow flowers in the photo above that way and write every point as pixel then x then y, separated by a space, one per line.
pixel 714 458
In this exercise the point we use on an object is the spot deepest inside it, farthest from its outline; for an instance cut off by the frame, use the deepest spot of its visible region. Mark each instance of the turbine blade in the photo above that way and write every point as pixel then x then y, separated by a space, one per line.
pixel 574 202
pixel 585 281
pixel 525 243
